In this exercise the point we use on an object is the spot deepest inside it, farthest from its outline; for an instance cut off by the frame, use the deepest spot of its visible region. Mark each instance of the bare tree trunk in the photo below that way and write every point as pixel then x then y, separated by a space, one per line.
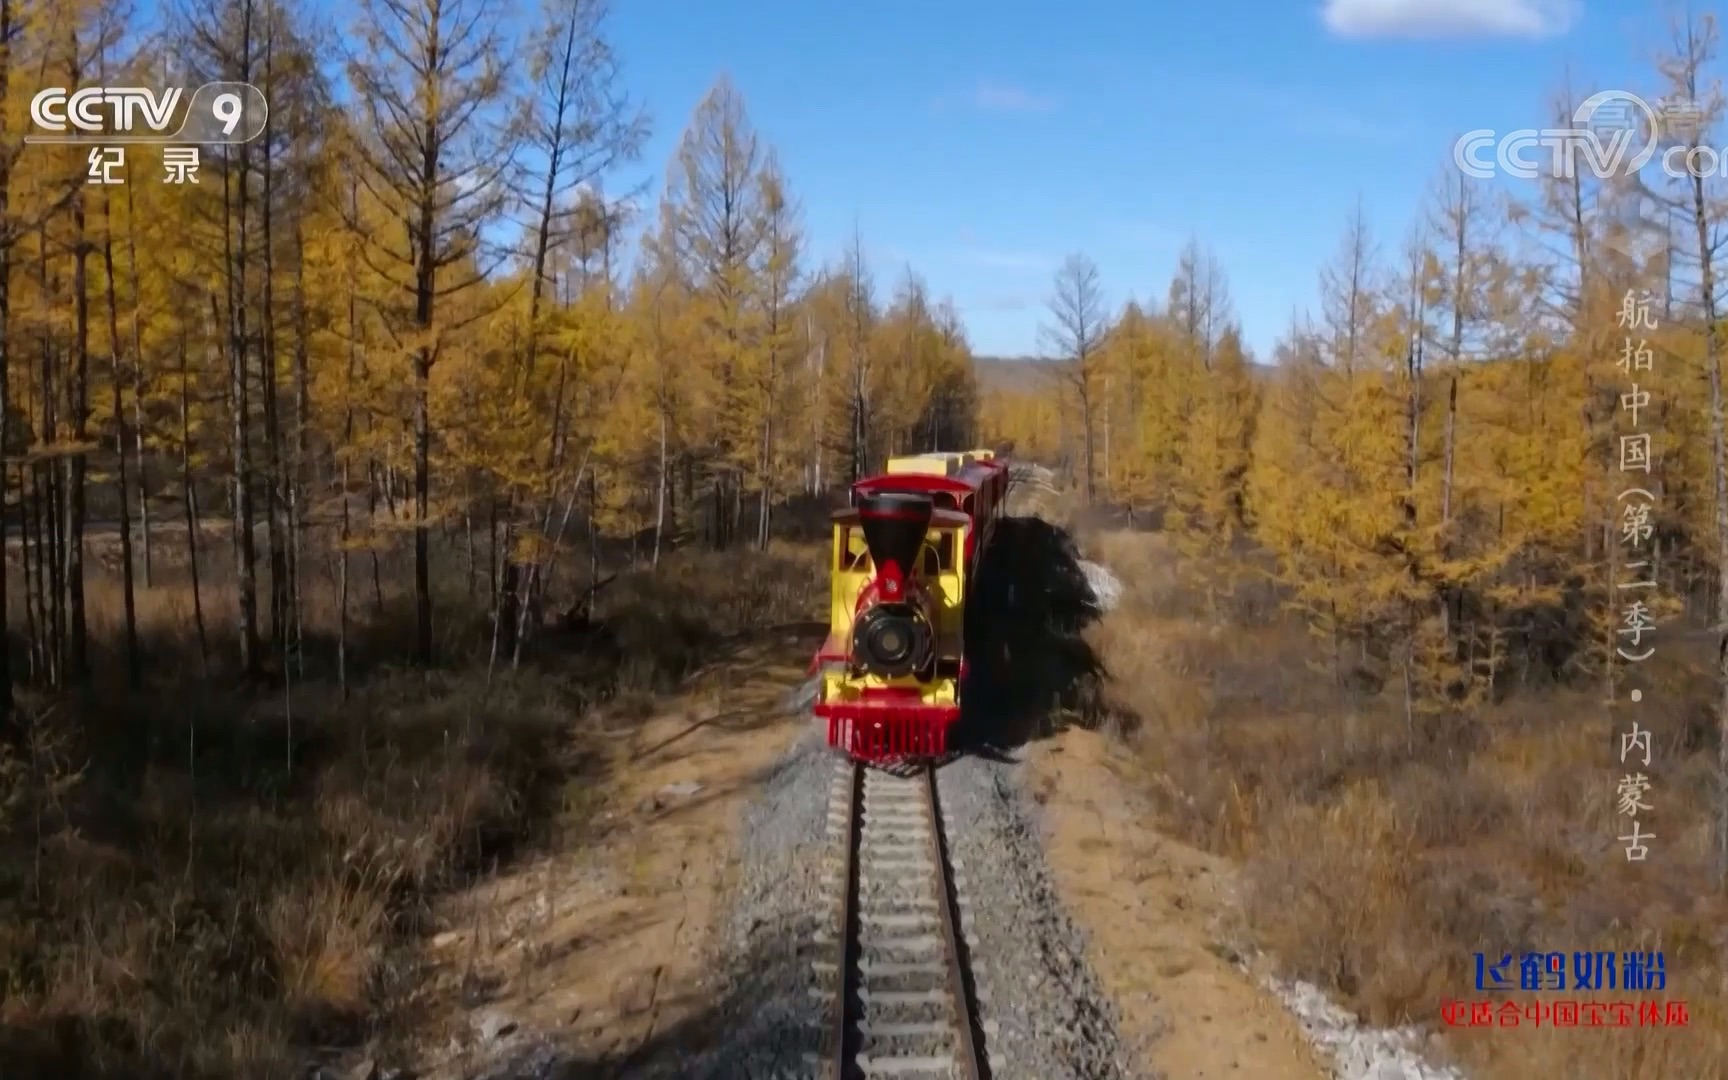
pixel 816 411
pixel 189 500
pixel 348 440
pixel 275 478
pixel 492 550
pixel 425 294
pixel 138 387
pixel 1106 412
pixel 78 402
pixel 342 592
pixel 736 519
pixel 1448 453
pixel 53 600
pixel 422 498
pixel 507 601
pixel 660 496
pixel 47 591
pixel 24 545
pixel 1088 444
pixel 35 573
pixel 767 485
pixel 134 672
pixel 234 239
pixel 593 527
pixel 504 587
pixel 8 29
pixel 299 477
pixel 372 513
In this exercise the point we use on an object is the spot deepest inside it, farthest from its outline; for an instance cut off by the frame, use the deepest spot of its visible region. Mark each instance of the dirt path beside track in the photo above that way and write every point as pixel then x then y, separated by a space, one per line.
pixel 1158 917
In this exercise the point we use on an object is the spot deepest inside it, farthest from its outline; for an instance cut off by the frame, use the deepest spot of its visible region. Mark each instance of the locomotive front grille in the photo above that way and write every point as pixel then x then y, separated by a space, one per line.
pixel 888 735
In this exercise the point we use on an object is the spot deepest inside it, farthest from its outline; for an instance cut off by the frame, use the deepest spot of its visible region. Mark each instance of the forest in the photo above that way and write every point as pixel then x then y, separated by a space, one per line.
pixel 416 313
pixel 1441 463
pixel 308 456
pixel 1424 610
pixel 307 461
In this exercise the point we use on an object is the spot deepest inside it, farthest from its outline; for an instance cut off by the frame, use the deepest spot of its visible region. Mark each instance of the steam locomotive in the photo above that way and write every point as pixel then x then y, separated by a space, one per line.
pixel 903 557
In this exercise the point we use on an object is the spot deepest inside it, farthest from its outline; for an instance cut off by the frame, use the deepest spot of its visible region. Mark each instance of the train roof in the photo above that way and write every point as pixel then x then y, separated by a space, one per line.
pixel 940 463
pixel 923 465
pixel 942 519
pixel 968 478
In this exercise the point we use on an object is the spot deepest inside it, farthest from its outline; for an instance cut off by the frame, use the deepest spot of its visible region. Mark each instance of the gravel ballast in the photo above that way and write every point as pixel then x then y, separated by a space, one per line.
pixel 1044 1013
pixel 765 1009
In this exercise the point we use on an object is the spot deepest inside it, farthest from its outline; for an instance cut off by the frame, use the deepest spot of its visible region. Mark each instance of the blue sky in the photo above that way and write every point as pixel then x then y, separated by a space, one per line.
pixel 980 142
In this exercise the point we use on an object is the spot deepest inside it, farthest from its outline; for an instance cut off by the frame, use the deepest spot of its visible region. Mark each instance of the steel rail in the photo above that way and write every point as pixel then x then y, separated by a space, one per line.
pixel 846 1033
pixel 972 1063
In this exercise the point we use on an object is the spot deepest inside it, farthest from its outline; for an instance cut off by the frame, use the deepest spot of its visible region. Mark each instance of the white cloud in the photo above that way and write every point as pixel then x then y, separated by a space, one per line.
pixel 1450 18
pixel 999 97
pixel 990 96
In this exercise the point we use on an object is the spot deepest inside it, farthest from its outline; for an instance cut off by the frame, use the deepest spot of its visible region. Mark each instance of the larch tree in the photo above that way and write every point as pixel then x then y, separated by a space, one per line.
pixel 1075 337
pixel 17 219
pixel 1695 47
pixel 1148 384
pixel 780 273
pixel 433 151
pixel 716 196
pixel 1207 386
pixel 846 312
pixel 579 124
pixel 212 41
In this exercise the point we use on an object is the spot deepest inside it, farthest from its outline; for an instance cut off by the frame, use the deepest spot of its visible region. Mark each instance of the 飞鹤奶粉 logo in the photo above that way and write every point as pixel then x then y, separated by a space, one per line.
pixel 1585 988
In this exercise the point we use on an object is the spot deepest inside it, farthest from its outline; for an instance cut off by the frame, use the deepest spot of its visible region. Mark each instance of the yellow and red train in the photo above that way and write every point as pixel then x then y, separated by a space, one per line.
pixel 902 564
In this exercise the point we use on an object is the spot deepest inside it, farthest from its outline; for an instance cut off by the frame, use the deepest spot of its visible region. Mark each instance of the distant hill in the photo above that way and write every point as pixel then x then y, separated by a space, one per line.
pixel 1025 374
pixel 1011 373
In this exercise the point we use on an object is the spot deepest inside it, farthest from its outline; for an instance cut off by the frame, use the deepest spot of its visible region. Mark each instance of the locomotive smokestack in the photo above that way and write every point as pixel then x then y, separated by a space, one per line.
pixel 894 527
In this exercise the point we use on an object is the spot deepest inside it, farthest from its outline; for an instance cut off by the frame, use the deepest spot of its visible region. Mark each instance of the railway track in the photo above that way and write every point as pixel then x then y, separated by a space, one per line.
pixel 903 997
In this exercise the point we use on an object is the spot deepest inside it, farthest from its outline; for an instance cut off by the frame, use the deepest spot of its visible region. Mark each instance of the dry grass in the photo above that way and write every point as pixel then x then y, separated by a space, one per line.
pixel 208 880
pixel 1378 863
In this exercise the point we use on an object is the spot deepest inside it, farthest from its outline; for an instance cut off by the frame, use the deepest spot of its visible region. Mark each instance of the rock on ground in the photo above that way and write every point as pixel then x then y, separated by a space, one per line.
pixel 1106 589
pixel 1358 1052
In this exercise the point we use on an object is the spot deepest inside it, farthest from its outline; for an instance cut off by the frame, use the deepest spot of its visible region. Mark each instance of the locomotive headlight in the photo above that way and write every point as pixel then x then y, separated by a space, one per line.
pixel 888 641
pixel 891 640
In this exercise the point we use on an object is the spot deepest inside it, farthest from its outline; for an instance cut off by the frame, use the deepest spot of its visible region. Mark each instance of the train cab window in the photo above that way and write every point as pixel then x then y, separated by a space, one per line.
pixel 967 505
pixel 939 553
pixel 944 500
pixel 854 553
